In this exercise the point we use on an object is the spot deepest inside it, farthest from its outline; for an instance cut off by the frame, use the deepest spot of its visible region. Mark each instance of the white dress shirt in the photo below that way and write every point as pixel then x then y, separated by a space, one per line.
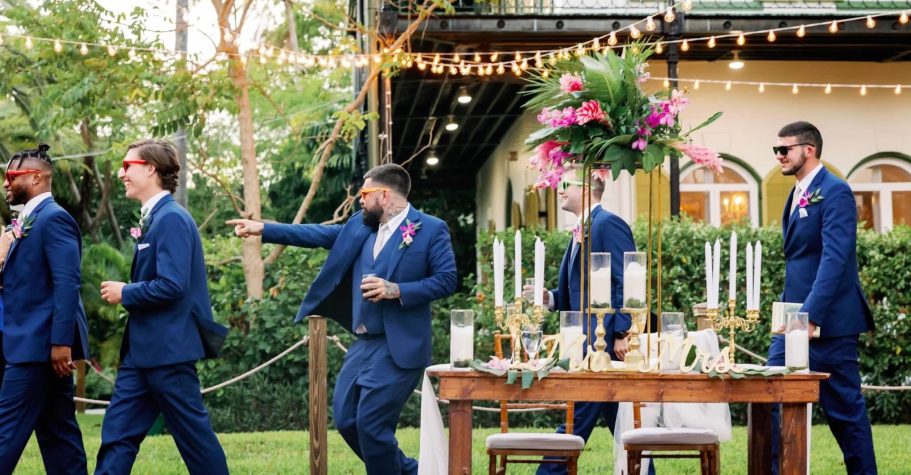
pixel 150 204
pixel 33 203
pixel 803 185
pixel 385 231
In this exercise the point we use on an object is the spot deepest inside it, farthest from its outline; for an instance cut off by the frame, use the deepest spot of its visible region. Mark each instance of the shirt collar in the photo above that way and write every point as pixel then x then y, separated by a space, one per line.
pixel 33 203
pixel 807 180
pixel 150 205
pixel 395 221
pixel 590 212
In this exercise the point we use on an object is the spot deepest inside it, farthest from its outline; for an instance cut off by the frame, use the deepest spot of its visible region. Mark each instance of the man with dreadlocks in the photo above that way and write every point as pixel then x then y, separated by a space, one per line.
pixel 44 326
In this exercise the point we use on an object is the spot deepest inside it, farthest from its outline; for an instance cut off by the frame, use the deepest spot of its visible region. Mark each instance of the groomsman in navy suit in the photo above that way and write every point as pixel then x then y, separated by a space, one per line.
pixel 6 241
pixel 609 233
pixel 44 326
pixel 385 267
pixel 820 248
pixel 170 325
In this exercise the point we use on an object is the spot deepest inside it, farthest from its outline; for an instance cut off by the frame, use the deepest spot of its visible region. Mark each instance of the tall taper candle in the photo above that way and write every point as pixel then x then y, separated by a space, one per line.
pixel 539 272
pixel 757 275
pixel 732 278
pixel 708 273
pixel 517 262
pixel 716 274
pixel 749 276
pixel 498 272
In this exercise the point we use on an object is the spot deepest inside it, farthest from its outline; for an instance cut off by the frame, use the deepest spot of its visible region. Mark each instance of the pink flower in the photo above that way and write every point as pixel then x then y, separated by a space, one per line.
pixel 639 144
pixel 643 75
pixel 570 83
pixel 601 174
pixel 701 155
pixel 804 200
pixel 17 229
pixel 136 233
pixel 677 103
pixel 498 364
pixel 408 232
pixel 567 117
pixel 589 111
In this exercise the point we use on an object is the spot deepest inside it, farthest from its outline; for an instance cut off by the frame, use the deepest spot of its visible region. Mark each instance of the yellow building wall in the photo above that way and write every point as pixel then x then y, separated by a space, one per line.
pixel 774 190
pixel 642 193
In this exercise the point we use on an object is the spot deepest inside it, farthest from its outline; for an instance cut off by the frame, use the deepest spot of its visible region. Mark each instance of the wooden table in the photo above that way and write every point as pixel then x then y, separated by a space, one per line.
pixel 793 391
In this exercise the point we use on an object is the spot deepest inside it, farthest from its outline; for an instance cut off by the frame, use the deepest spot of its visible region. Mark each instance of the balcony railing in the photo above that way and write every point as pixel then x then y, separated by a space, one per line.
pixel 645 7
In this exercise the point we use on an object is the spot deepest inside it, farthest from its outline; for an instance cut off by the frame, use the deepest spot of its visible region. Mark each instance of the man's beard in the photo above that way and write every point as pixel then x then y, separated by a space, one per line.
pixel 372 217
pixel 797 167
pixel 18 197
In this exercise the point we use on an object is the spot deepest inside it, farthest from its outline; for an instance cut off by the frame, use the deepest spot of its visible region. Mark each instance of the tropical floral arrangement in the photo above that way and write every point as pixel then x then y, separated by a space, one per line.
pixel 594 113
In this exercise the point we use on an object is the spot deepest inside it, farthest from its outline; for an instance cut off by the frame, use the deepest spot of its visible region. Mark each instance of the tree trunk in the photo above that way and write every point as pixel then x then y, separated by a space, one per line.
pixel 252 247
pixel 292 25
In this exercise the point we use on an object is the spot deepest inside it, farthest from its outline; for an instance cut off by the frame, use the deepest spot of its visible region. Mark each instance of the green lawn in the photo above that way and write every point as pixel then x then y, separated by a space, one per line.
pixel 286 453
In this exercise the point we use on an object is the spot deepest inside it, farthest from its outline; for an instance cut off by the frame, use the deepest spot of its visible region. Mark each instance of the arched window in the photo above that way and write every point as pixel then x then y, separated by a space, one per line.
pixel 720 199
pixel 882 192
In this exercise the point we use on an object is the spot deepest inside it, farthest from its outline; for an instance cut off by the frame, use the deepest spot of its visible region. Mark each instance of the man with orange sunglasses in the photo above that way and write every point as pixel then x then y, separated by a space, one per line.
pixel 44 325
pixel 385 267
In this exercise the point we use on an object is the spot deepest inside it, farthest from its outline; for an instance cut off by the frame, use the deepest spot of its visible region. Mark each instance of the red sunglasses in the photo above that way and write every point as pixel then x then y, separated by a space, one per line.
pixel 127 163
pixel 12 174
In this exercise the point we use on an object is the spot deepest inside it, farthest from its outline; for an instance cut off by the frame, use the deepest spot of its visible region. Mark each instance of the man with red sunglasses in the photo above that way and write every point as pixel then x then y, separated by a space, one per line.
pixel 44 325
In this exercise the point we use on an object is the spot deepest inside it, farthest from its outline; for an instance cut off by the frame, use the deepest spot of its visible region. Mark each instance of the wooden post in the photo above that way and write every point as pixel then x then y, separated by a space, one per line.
pixel 759 441
pixel 459 437
pixel 80 385
pixel 793 452
pixel 319 411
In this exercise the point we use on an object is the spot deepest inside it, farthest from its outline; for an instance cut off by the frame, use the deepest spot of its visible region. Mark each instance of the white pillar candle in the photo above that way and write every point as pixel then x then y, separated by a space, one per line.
pixel 716 274
pixel 539 272
pixel 749 276
pixel 600 287
pixel 732 278
pixel 461 345
pixel 569 335
pixel 634 283
pixel 517 262
pixel 757 274
pixel 796 349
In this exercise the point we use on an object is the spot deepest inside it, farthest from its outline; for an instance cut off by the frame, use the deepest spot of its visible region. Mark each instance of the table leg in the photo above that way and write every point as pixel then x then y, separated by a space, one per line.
pixel 793 457
pixel 759 440
pixel 459 437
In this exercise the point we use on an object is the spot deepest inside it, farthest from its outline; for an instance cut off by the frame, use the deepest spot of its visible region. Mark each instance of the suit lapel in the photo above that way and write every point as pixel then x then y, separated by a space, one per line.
pixel 34 216
pixel 814 185
pixel 396 240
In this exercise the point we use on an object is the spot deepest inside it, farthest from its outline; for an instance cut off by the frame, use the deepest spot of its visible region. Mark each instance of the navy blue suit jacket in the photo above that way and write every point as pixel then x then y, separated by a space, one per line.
pixel 425 271
pixel 41 282
pixel 609 233
pixel 167 297
pixel 821 259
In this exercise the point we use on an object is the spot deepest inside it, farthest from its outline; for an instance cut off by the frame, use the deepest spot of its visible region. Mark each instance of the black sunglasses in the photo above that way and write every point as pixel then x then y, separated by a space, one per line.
pixel 784 149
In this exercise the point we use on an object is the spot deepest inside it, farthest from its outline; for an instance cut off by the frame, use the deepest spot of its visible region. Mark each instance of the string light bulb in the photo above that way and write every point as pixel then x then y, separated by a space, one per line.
pixel 772 37
pixel 83 49
pixel 741 40
pixel 711 43
pixel 112 50
pixel 871 23
pixel 477 58
pixel 833 27
pixel 802 31
pixel 666 83
pixel 687 5
pixel 685 46
pixel 659 48
pixel 761 87
pixel 903 18
pixel 669 16
pixel 828 89
pixel 696 85
pixel 794 89
pixel 612 39
pixel 898 89
pixel 58 46
pixel 727 86
pixel 863 90
pixel 501 69
pixel 493 57
pixel 28 42
pixel 634 32
pixel 650 24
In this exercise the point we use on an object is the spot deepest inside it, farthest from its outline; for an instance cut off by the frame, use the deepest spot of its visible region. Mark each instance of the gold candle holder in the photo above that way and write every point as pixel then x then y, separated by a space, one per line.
pixel 634 357
pixel 599 360
pixel 732 322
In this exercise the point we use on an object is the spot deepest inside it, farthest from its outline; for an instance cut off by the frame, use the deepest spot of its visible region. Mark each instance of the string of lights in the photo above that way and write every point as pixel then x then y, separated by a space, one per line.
pixel 795 87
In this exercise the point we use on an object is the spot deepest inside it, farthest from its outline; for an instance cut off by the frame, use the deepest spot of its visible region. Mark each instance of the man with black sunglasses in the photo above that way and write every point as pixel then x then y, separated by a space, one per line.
pixel 820 247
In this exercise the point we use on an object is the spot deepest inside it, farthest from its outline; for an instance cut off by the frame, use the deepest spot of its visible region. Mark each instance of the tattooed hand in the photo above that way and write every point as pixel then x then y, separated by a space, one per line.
pixel 375 289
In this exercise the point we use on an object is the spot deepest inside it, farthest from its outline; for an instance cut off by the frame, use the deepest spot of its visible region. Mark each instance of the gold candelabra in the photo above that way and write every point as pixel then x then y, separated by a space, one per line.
pixel 731 321
pixel 634 357
pixel 599 360
pixel 513 324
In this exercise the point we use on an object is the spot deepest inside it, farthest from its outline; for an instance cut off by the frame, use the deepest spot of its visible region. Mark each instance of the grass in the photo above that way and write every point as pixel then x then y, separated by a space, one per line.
pixel 286 453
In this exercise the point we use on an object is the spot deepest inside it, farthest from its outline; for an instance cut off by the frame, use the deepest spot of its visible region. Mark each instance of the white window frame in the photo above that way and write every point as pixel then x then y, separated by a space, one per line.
pixel 751 187
pixel 885 217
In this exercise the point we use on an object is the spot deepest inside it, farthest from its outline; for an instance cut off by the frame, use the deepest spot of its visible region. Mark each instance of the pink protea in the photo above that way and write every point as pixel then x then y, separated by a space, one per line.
pixel 589 111
pixel 570 83
pixel 701 155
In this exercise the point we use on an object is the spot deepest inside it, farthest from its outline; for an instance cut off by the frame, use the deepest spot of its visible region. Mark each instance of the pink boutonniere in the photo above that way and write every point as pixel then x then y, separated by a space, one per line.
pixel 136 232
pixel 20 227
pixel 408 232
pixel 577 233
pixel 808 198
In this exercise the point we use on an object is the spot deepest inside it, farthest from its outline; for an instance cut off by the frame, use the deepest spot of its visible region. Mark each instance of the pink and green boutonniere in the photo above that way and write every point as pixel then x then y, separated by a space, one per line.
pixel 808 198
pixel 408 232
pixel 137 231
pixel 20 227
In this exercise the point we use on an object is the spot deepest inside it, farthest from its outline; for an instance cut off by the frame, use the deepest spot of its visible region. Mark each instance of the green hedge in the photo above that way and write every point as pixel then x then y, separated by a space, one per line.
pixel 276 399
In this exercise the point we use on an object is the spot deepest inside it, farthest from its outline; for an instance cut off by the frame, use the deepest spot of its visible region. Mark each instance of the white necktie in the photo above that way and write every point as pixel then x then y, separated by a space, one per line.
pixel 795 200
pixel 380 238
